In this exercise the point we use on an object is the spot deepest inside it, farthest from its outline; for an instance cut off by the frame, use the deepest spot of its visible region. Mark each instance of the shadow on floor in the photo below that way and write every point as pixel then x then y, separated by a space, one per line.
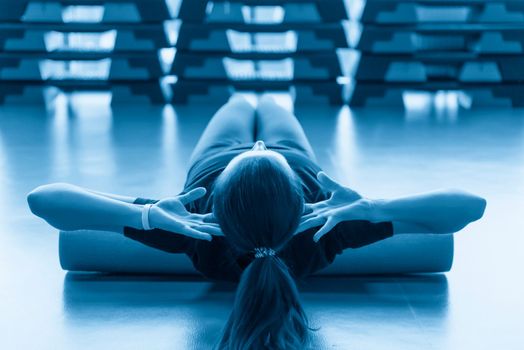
pixel 203 306
pixel 102 290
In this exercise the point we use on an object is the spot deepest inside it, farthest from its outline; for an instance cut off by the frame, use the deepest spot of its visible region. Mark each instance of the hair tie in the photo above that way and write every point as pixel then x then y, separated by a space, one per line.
pixel 262 252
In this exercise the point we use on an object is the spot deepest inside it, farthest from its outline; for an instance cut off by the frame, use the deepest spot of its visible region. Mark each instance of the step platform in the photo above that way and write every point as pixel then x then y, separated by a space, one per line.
pixel 136 11
pixel 437 11
pixel 267 11
pixel 185 91
pixel 123 92
pixel 425 68
pixel 99 11
pixel 474 38
pixel 364 94
pixel 193 37
pixel 81 66
pixel 169 90
pixel 261 38
pixel 357 94
pixel 250 66
pixel 75 37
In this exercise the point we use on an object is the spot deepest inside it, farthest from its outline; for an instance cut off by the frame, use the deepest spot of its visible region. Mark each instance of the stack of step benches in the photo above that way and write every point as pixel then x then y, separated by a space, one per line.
pixel 260 45
pixel 361 52
pixel 121 46
pixel 472 47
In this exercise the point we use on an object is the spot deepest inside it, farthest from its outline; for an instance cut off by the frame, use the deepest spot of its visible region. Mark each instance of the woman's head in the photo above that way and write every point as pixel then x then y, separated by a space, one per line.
pixel 258 203
pixel 258 200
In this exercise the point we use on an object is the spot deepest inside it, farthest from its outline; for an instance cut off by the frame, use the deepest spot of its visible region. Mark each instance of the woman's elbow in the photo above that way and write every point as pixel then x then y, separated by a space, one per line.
pixel 36 199
pixel 41 198
pixel 479 208
pixel 473 205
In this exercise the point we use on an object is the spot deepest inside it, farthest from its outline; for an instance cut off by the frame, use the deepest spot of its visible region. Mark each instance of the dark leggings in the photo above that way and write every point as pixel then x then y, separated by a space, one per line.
pixel 238 122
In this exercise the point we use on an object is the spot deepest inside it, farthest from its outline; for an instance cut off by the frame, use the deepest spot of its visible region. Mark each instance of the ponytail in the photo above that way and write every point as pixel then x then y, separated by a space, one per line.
pixel 267 313
pixel 258 204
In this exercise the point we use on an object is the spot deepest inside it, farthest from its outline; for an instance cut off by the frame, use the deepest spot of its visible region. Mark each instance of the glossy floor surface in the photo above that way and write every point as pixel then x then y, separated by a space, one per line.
pixel 143 150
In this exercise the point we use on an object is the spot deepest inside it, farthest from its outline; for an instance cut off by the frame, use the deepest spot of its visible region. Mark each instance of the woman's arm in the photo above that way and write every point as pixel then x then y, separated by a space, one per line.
pixel 443 211
pixel 69 207
pixel 119 197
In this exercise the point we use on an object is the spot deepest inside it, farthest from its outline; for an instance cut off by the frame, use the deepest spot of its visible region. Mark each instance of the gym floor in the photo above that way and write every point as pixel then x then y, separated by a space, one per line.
pixel 143 151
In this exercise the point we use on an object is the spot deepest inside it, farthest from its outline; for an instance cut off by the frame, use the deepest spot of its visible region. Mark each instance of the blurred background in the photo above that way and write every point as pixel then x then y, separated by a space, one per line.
pixel 379 52
pixel 396 96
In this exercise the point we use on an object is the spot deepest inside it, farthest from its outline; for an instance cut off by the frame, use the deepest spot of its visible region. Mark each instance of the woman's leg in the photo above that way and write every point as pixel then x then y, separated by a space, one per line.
pixel 232 124
pixel 276 125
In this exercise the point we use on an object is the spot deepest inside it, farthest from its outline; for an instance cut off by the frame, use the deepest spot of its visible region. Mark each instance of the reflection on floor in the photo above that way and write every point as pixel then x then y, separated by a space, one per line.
pixel 344 308
pixel 143 150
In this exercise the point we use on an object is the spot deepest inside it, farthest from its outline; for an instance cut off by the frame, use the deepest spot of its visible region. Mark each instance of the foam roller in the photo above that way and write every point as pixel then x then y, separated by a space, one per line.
pixel 102 251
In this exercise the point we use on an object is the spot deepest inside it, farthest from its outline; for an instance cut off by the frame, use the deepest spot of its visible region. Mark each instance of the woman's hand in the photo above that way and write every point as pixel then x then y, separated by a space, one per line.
pixel 170 214
pixel 343 205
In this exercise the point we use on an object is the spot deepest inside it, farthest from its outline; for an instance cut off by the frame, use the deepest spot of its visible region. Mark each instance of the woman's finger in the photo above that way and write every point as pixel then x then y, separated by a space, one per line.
pixel 312 222
pixel 327 182
pixel 312 207
pixel 210 218
pixel 322 210
pixel 328 226
pixel 211 229
pixel 192 195
pixel 308 216
pixel 316 204
pixel 191 232
pixel 308 208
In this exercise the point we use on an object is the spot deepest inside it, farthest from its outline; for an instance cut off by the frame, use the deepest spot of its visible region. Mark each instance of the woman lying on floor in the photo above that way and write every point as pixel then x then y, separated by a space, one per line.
pixel 258 212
